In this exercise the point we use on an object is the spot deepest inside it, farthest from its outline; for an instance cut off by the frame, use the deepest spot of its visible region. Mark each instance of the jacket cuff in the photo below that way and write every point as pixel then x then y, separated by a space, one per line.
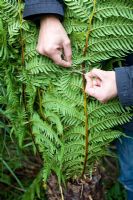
pixel 34 11
pixel 124 82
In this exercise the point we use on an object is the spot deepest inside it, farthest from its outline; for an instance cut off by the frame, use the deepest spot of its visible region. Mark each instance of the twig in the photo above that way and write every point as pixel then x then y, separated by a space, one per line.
pixel 62 197
pixel 82 188
pixel 90 198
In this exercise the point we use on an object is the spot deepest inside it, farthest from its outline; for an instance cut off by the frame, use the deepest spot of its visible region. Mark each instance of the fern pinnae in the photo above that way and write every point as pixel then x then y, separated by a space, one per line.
pixel 98 110
pixel 116 9
pixel 110 121
pixel 120 26
pixel 77 8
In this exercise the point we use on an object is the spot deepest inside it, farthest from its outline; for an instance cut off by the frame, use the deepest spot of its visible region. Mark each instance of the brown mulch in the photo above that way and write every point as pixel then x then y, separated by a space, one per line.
pixel 82 189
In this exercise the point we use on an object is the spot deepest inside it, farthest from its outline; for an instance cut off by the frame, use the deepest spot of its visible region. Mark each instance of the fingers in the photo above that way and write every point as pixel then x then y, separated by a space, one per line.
pixel 96 92
pixel 101 85
pixel 55 55
pixel 67 51
pixel 96 82
pixel 66 60
pixel 59 61
pixel 94 86
pixel 100 74
pixel 90 89
pixel 93 81
pixel 89 82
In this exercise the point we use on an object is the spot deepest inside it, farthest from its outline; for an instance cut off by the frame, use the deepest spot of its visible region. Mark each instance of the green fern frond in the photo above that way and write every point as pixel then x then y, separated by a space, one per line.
pixel 110 121
pixel 106 9
pixel 121 26
pixel 45 128
pixel 39 64
pixel 98 110
pixel 80 8
pixel 9 8
pixel 104 136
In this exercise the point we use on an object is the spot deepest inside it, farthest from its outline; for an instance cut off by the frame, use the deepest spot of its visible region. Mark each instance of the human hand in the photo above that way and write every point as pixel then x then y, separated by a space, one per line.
pixel 101 84
pixel 53 41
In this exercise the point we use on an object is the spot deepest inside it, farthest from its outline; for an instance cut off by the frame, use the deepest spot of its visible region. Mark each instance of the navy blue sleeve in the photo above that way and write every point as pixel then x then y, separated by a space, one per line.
pixel 124 81
pixel 36 8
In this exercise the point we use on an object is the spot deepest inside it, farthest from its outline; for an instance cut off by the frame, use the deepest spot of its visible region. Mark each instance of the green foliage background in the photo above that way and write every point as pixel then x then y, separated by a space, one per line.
pixel 47 104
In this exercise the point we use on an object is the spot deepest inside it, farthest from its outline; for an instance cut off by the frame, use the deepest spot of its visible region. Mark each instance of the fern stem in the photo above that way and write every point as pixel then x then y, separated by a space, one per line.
pixel 22 51
pixel 86 123
pixel 40 105
pixel 23 85
pixel 84 93
pixel 21 32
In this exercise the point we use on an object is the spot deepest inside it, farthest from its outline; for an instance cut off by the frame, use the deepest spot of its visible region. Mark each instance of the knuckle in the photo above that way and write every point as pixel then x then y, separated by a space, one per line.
pixel 40 50
pixel 44 50
pixel 48 50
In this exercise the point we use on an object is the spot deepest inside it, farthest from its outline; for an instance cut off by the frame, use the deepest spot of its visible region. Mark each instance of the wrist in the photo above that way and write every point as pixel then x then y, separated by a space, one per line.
pixel 114 86
pixel 49 18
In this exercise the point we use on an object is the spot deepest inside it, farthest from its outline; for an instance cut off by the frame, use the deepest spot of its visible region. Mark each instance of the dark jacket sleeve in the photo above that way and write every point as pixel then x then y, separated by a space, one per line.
pixel 124 81
pixel 35 8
